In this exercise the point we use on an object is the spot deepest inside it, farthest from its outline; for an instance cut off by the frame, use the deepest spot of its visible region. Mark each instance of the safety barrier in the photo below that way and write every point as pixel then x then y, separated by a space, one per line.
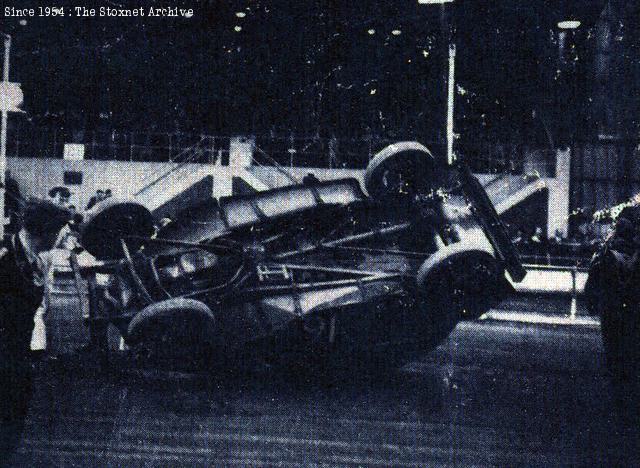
pixel 484 155
pixel 573 289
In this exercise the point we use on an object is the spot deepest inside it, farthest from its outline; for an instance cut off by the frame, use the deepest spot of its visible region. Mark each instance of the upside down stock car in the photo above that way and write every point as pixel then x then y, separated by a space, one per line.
pixel 322 270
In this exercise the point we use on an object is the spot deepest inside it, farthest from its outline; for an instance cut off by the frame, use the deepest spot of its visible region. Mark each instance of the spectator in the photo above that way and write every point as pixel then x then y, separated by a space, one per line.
pixel 538 237
pixel 539 244
pixel 13 202
pixel 98 197
pixel 22 270
pixel 310 179
pixel 75 217
pixel 60 195
pixel 12 196
pixel 519 237
pixel 557 238
pixel 107 193
pixel 623 238
pixel 556 244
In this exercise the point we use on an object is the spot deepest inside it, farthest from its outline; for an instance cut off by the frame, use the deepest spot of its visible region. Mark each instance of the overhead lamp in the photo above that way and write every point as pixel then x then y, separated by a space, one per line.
pixel 569 24
pixel 434 2
pixel 396 32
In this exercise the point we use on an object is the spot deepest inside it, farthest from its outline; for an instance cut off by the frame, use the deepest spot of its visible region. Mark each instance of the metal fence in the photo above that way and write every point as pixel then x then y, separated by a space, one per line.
pixel 26 140
pixel 114 145
pixel 565 254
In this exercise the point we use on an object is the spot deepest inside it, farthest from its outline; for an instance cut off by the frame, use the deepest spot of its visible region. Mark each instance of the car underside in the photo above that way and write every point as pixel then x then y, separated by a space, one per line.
pixel 306 271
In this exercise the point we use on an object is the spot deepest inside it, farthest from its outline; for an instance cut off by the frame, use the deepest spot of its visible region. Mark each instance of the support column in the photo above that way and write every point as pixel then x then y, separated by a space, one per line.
pixel 558 208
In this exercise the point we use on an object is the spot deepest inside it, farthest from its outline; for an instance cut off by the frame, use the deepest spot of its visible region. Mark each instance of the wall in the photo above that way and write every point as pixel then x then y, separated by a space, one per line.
pixel 605 174
pixel 37 176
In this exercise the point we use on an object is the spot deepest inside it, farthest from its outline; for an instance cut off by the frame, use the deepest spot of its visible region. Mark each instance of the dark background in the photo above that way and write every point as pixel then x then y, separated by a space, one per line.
pixel 312 68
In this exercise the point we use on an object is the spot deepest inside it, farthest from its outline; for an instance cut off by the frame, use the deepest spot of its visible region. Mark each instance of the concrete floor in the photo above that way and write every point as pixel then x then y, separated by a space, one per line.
pixel 494 394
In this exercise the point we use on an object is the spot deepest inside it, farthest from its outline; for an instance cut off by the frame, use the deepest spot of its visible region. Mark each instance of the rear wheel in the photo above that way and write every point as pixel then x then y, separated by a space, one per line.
pixel 389 333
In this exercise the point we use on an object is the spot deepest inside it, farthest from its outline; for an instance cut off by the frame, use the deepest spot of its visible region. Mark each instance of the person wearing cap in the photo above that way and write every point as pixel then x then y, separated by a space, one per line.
pixel 22 273
pixel 60 195
pixel 97 198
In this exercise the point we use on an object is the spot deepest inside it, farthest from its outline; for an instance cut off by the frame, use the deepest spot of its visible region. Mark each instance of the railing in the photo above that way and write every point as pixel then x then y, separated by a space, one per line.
pixel 560 254
pixel 486 156
pixel 30 141
pixel 498 157
pixel 274 163
pixel 187 156
pixel 556 261
pixel 573 270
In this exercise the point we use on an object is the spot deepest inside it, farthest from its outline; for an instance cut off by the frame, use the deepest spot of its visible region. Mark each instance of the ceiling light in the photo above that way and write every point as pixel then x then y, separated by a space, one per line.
pixel 569 24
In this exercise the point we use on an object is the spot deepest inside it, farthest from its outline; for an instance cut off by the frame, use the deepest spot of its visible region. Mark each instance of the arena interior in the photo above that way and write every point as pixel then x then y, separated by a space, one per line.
pixel 228 99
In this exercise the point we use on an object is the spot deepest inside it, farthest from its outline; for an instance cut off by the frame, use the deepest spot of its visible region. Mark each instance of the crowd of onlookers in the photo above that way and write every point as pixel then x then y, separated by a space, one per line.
pixel 59 195
pixel 535 247
pixel 62 195
pixel 100 195
pixel 533 244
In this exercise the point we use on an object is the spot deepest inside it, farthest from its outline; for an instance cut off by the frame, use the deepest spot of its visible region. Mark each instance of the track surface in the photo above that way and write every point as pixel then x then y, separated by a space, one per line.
pixel 494 394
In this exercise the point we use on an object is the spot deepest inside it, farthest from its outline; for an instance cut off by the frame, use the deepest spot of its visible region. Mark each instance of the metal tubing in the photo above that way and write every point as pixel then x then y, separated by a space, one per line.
pixel 450 103
pixel 345 240
pixel 319 285
pixel 368 235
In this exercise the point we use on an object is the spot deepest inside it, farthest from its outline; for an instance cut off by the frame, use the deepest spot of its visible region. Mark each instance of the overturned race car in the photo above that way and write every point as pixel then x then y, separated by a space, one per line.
pixel 320 271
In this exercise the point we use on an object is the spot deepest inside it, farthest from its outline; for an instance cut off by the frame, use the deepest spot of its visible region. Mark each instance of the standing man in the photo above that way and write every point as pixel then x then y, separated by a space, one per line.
pixel 21 292
pixel 60 195
pixel 611 291
pixel 12 202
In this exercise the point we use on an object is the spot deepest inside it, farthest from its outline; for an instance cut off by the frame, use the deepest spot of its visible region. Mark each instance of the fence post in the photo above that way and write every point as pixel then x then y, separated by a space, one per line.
pixel 574 293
